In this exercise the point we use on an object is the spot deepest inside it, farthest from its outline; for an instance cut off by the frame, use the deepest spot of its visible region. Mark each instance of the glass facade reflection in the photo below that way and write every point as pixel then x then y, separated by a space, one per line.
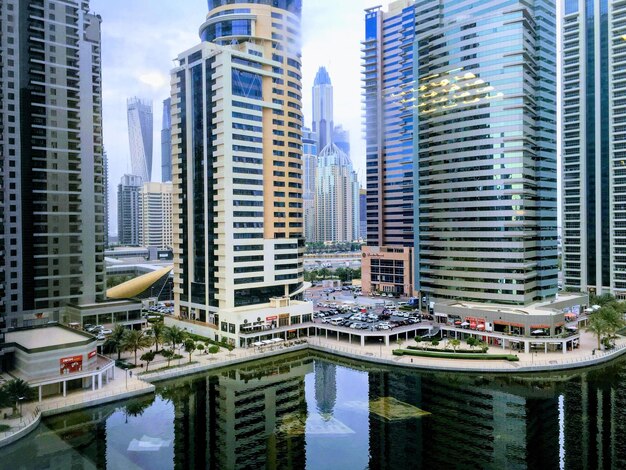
pixel 308 411
pixel 485 170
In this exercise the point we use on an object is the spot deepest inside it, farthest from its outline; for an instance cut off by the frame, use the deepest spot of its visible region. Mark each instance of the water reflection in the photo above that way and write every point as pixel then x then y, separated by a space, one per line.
pixel 303 411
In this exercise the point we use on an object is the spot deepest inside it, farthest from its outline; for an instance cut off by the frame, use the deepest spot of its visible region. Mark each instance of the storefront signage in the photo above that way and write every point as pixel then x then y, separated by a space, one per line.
pixel 71 364
pixel 91 354
pixel 271 318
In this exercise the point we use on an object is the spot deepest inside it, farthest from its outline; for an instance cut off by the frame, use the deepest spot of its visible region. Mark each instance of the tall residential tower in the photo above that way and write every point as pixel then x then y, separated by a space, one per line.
pixel 237 148
pixel 140 137
pixel 388 73
pixel 594 137
pixel 51 160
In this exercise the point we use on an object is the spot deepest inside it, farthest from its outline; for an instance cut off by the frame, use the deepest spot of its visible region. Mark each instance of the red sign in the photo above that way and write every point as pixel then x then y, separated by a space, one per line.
pixel 91 354
pixel 271 318
pixel 71 364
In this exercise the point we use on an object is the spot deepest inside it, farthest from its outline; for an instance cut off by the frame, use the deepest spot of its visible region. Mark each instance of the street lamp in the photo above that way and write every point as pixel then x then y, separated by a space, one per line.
pixel 380 341
pixel 126 370
pixel 19 399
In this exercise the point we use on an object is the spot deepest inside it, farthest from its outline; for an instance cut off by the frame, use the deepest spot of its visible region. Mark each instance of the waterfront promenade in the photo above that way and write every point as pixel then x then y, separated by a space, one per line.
pixel 124 386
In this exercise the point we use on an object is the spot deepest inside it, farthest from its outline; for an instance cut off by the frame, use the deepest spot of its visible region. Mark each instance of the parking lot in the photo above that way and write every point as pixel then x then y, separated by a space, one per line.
pixel 364 313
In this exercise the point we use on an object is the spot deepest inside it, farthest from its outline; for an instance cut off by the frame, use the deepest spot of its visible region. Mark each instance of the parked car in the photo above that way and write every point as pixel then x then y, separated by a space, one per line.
pixel 106 331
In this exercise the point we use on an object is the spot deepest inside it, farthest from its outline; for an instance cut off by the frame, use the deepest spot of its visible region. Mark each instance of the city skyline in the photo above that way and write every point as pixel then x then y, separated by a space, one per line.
pixel 143 69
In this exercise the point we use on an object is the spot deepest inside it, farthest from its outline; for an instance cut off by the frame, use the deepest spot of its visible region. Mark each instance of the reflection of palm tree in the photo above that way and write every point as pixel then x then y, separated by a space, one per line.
pixel 325 388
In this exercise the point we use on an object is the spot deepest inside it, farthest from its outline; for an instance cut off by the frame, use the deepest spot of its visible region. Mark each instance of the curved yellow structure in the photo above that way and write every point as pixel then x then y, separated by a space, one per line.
pixel 134 287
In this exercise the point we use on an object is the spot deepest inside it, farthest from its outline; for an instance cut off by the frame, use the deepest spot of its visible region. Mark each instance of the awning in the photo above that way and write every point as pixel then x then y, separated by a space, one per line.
pixel 537 332
pixel 571 328
pixel 277 340
pixel 465 323
pixel 540 326
pixel 570 315
pixel 480 326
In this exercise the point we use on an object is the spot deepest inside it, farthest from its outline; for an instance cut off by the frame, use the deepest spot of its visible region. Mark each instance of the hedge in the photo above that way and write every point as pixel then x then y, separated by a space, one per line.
pixel 463 351
pixel 444 355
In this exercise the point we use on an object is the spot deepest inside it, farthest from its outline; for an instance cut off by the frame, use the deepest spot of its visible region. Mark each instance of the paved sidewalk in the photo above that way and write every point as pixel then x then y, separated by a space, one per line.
pixel 121 387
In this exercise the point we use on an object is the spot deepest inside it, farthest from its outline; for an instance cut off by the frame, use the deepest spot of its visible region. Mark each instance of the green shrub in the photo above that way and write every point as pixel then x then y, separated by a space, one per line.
pixel 4 427
pixel 122 364
pixel 457 355
pixel 214 349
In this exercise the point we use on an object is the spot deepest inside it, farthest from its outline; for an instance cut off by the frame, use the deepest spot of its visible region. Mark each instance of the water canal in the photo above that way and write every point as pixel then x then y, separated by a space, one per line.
pixel 312 411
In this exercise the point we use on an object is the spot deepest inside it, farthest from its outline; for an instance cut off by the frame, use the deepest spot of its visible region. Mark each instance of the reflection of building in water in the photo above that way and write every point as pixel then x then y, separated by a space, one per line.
pixel 325 387
pixel 479 423
pixel 593 419
pixel 252 417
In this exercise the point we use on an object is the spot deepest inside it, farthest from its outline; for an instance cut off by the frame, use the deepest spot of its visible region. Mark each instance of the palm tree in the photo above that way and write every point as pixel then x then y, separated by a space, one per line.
pixel 114 341
pixel 148 357
pixel 174 335
pixel 190 347
pixel 598 326
pixel 135 340
pixel 167 354
pixel 158 332
pixel 16 390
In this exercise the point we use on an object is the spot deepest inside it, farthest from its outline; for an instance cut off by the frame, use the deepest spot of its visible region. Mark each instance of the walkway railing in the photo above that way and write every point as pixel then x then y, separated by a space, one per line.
pixel 24 423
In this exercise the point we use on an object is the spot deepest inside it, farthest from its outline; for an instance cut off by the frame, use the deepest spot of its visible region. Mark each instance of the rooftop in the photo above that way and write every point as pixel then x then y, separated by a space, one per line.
pixel 45 337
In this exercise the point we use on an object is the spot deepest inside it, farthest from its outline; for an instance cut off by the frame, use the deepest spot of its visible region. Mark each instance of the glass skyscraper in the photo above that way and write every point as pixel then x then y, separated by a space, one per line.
pixel 484 103
pixel 166 142
pixel 594 139
pixel 323 108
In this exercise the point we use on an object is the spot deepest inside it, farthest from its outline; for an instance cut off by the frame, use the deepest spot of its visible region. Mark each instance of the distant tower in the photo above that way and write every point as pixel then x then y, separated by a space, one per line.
pixel 166 142
pixel 140 137
pixel 323 108
pixel 336 198
pixel 309 167
pixel 128 220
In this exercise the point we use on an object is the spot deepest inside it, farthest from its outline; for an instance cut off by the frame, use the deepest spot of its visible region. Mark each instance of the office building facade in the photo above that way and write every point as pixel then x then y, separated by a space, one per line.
pixel 166 142
pixel 128 213
pixel 485 166
pixel 594 181
pixel 336 197
pixel 237 148
pixel 140 124
pixel 323 108
pixel 155 215
pixel 52 204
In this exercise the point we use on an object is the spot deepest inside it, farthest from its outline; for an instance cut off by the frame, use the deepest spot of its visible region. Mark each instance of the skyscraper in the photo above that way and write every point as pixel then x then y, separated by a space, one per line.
pixel 155 209
pixel 128 214
pixel 387 73
pixel 485 166
pixel 166 142
pixel 309 161
pixel 51 165
pixel 238 210
pixel 323 108
pixel 140 137
pixel 593 185
pixel 336 197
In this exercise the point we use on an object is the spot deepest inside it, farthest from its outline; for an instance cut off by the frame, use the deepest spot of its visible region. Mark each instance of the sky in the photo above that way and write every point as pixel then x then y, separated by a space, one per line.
pixel 140 39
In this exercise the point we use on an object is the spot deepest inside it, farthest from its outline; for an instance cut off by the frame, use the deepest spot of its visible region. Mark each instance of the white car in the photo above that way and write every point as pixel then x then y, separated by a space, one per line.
pixel 106 331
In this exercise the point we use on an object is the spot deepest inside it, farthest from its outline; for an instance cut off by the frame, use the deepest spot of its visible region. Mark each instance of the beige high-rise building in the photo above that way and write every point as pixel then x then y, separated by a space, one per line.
pixel 155 212
pixel 237 173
